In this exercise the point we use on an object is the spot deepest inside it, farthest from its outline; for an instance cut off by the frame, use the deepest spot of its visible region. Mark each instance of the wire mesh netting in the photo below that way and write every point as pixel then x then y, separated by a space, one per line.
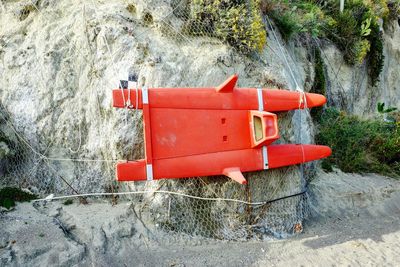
pixel 59 133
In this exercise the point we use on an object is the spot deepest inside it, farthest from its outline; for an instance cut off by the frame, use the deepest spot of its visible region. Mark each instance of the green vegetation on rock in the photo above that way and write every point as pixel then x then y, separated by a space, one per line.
pixel 319 85
pixel 376 57
pixel 382 110
pixel 286 23
pixel 10 195
pixel 238 23
pixel 68 202
pixel 360 145
pixel 355 31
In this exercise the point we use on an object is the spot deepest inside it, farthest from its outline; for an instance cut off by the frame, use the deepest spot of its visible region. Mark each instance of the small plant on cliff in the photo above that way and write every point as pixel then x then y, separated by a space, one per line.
pixel 10 195
pixel 68 202
pixel 238 23
pixel 381 108
pixel 355 31
pixel 376 57
pixel 388 114
pixel 319 85
pixel 286 23
pixel 365 27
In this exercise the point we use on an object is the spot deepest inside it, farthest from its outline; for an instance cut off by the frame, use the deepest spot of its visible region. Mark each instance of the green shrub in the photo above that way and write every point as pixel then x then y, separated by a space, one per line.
pixel 379 8
pixel 376 59
pixel 298 17
pixel 68 202
pixel 319 85
pixel 238 23
pixel 355 31
pixel 9 195
pixel 312 18
pixel 286 23
pixel 360 145
pixel 346 33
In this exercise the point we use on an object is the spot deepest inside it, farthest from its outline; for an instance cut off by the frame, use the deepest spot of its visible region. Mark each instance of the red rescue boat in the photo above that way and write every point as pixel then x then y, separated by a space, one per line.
pixel 213 131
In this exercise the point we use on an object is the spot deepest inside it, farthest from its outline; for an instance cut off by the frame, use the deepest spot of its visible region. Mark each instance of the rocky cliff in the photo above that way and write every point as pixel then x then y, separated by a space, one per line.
pixel 59 61
pixel 349 88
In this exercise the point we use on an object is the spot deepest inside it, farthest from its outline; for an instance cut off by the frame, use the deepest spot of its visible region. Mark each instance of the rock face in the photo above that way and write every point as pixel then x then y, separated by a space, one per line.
pixel 348 87
pixel 59 62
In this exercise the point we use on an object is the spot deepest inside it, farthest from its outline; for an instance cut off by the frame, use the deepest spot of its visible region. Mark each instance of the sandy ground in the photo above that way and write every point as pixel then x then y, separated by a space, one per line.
pixel 356 223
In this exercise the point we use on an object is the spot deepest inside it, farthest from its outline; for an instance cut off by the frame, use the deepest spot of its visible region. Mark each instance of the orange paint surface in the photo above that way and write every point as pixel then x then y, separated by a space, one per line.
pixel 213 131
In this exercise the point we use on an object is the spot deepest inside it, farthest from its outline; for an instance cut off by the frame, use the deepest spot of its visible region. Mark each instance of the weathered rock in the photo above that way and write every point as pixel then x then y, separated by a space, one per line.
pixel 349 88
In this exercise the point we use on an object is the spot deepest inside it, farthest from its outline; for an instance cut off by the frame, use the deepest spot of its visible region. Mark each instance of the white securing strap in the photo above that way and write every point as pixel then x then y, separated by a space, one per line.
pixel 149 172
pixel 145 95
pixel 265 157
pixel 260 99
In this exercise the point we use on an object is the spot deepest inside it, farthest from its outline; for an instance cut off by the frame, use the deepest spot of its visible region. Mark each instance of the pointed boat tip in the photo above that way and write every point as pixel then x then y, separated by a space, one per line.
pixel 315 152
pixel 315 100
pixel 328 151
pixel 324 151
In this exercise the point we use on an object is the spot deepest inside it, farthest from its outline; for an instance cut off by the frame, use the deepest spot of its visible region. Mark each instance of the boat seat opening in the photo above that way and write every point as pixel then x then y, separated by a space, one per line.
pixel 258 129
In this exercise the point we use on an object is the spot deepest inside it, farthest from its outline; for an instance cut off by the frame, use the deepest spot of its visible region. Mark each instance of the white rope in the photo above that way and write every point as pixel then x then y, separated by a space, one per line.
pixel 152 192
pixel 136 97
pixel 302 98
pixel 82 159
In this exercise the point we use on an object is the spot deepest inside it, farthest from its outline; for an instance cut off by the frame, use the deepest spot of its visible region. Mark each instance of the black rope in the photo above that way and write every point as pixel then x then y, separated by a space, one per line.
pixel 285 197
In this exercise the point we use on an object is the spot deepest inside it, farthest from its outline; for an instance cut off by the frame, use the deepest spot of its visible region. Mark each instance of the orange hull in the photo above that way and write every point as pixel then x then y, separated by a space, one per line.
pixel 213 131
pixel 209 98
pixel 249 160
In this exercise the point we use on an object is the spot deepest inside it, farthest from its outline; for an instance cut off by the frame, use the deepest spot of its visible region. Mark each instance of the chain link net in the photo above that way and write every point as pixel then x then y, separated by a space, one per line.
pixel 71 143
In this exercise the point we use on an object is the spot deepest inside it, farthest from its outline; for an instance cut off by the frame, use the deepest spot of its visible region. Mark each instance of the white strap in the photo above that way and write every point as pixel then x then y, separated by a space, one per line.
pixel 145 95
pixel 260 99
pixel 265 157
pixel 149 172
